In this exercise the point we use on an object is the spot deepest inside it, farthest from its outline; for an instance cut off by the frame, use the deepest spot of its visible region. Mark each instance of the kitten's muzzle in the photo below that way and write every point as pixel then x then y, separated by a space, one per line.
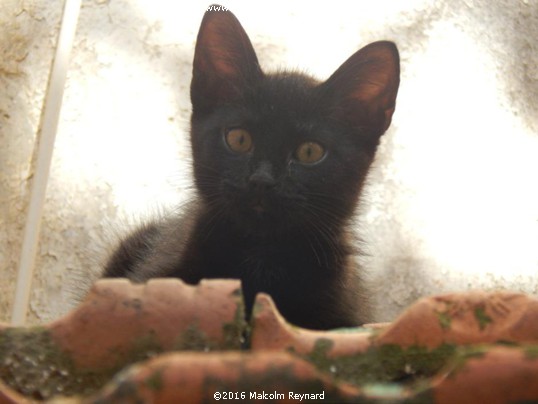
pixel 261 184
pixel 262 177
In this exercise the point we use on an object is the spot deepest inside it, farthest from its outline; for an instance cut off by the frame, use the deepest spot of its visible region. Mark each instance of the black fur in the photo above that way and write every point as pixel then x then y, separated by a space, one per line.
pixel 279 225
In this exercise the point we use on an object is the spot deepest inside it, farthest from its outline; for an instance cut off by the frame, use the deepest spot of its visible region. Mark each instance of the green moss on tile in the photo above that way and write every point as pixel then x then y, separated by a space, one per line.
pixel 386 363
pixel 462 355
pixel 237 331
pixel 445 321
pixel 482 318
pixel 531 352
pixel 194 339
pixel 142 347
pixel 234 335
pixel 155 381
pixel 276 382
pixel 507 343
pixel 32 364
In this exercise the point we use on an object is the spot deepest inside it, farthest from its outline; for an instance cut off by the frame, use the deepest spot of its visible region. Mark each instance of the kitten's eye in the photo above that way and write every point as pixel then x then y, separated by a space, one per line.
pixel 309 153
pixel 239 140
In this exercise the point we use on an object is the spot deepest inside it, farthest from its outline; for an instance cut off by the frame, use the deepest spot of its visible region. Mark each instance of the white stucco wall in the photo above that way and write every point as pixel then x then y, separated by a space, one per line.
pixel 452 202
pixel 28 31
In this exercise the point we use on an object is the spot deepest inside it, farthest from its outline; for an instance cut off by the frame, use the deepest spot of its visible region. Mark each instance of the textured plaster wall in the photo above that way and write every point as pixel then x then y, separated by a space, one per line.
pixel 452 201
pixel 28 31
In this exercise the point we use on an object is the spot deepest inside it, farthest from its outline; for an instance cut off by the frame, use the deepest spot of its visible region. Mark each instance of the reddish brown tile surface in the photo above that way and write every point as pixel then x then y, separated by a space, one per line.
pixel 271 332
pixel 467 318
pixel 463 348
pixel 234 376
pixel 494 376
pixel 118 324
pixel 8 396
pixel 160 315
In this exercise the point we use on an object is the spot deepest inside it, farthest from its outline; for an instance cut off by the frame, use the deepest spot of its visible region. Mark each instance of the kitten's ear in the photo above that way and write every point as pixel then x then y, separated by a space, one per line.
pixel 363 90
pixel 224 61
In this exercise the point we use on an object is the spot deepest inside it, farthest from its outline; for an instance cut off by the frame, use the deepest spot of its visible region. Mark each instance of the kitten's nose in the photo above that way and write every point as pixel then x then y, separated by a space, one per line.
pixel 263 175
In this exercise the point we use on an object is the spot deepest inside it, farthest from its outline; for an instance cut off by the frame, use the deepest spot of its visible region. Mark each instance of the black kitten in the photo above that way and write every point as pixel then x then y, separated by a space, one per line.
pixel 279 163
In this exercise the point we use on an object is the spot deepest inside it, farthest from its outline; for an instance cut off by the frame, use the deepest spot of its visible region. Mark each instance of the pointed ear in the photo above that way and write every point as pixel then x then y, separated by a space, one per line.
pixel 363 90
pixel 225 63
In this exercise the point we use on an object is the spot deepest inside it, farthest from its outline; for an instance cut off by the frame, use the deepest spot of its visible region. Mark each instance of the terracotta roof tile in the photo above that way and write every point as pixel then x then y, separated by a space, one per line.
pixel 190 342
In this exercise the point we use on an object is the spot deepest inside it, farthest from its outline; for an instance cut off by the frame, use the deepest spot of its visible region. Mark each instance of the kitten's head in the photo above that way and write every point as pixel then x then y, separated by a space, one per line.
pixel 275 152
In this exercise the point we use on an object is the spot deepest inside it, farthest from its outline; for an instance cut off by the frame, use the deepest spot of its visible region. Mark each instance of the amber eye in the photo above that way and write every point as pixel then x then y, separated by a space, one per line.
pixel 309 153
pixel 239 140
